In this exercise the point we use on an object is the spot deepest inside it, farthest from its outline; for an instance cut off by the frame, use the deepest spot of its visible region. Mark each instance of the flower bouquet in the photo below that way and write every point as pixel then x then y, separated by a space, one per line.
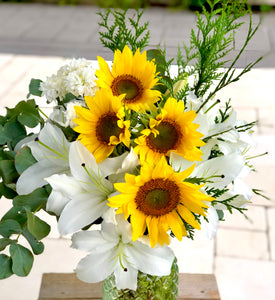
pixel 136 152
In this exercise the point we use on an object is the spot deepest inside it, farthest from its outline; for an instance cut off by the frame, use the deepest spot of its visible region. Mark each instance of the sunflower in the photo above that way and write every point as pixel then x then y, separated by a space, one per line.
pixel 133 76
pixel 158 199
pixel 172 130
pixel 101 125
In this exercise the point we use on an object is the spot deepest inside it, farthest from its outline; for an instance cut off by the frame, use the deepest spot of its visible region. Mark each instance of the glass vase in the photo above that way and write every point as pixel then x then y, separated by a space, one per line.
pixel 148 287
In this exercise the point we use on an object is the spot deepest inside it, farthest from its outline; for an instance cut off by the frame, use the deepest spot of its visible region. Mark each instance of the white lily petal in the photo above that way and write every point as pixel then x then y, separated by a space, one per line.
pixel 56 202
pixel 25 142
pixel 78 156
pixel 241 188
pixel 179 163
pixel 91 241
pixel 64 184
pixel 128 279
pixel 112 165
pixel 153 261
pixel 229 166
pixel 96 266
pixel 81 211
pixel 85 169
pixel 53 138
pixel 209 228
pixel 124 228
pixel 33 177
pixel 109 232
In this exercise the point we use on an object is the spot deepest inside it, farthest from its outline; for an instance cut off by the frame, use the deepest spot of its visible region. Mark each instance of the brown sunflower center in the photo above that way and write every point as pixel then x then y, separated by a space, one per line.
pixel 167 139
pixel 158 197
pixel 107 127
pixel 129 85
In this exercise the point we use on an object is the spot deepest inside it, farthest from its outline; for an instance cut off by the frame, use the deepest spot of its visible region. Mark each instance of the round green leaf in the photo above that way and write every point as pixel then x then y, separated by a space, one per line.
pixel 34 87
pixel 5 266
pixel 8 227
pixel 28 114
pixel 37 246
pixel 22 260
pixel 24 159
pixel 4 242
pixel 37 227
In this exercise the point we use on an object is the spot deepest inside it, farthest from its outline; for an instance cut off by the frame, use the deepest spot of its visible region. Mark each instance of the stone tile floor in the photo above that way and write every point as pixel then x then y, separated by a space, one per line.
pixel 243 253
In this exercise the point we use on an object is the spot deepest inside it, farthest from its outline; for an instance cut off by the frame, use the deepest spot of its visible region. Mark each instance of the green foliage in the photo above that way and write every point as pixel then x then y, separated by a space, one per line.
pixel 38 228
pixel 22 260
pixel 34 87
pixel 6 266
pixel 24 159
pixel 123 30
pixel 20 220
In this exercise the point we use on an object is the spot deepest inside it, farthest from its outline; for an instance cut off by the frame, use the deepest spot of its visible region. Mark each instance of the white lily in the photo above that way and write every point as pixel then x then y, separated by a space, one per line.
pixel 221 170
pixel 113 251
pixel 51 150
pixel 81 198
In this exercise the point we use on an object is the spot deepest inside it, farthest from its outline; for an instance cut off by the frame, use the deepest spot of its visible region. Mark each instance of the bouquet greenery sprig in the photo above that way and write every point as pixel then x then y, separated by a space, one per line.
pixel 141 148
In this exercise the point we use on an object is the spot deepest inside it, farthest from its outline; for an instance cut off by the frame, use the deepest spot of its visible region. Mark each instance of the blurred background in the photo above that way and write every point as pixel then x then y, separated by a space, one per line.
pixel 37 37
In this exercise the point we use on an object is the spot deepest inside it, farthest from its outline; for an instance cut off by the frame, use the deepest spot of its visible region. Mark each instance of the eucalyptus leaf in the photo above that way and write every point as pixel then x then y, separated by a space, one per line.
pixel 28 114
pixel 37 227
pixel 4 242
pixel 34 87
pixel 5 266
pixel 3 135
pixel 32 201
pixel 37 246
pixel 9 227
pixel 15 131
pixel 16 213
pixel 24 159
pixel 22 260
pixel 6 191
pixel 8 171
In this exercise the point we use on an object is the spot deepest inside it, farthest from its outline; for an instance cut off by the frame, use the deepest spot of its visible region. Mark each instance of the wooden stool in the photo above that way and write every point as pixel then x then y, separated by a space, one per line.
pixel 56 286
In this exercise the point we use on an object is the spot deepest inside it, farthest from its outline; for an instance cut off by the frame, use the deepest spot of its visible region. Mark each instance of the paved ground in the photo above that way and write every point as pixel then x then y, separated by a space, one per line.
pixel 73 31
pixel 34 42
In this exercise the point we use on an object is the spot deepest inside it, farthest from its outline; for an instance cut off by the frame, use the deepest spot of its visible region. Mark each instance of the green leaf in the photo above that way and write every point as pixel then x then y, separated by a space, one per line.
pixel 28 114
pixel 8 171
pixel 15 132
pixel 3 135
pixel 22 260
pixel 2 120
pixel 4 242
pixel 34 87
pixel 5 266
pixel 220 214
pixel 37 246
pixel 32 201
pixel 9 227
pixel 16 213
pixel 159 59
pixel 37 227
pixel 24 159
pixel 69 97
pixel 6 191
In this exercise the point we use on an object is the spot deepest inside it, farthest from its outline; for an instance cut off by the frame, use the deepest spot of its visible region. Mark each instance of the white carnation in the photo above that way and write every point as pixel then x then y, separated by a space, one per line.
pixel 76 77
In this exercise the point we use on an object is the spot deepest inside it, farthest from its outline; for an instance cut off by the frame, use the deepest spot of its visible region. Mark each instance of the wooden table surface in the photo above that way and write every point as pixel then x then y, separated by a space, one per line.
pixel 56 286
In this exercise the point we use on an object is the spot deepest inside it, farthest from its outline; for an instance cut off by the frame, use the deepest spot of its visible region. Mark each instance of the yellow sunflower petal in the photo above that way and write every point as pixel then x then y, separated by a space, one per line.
pixel 188 216
pixel 138 221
